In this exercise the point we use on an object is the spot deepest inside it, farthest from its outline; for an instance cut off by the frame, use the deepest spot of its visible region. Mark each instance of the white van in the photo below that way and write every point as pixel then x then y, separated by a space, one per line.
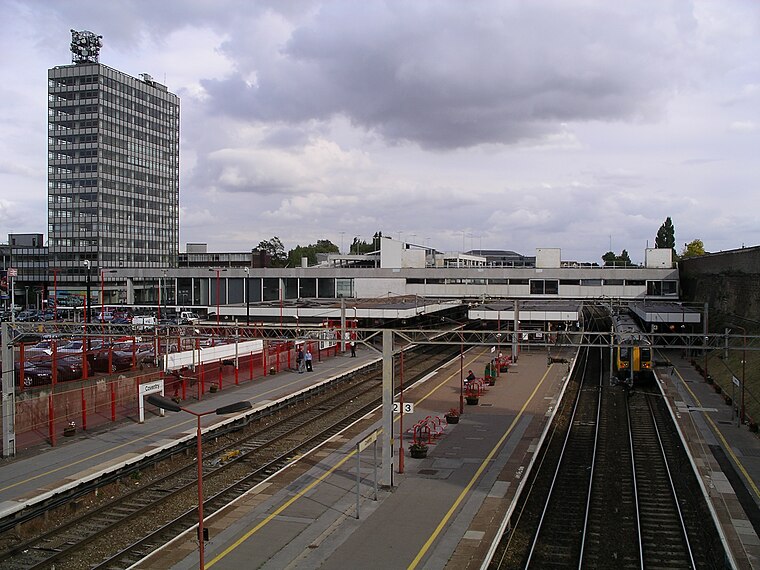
pixel 188 317
pixel 143 323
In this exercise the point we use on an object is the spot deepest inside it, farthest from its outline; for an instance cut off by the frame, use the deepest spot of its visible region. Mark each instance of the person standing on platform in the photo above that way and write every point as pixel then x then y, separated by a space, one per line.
pixel 308 360
pixel 299 360
pixel 353 349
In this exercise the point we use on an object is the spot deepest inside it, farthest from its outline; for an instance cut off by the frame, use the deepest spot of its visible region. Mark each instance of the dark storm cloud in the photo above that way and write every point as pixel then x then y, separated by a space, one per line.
pixel 455 74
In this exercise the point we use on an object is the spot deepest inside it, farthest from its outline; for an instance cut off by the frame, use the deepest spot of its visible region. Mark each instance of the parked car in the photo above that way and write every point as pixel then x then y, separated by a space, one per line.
pixel 121 357
pixel 42 347
pixel 38 370
pixel 75 346
pixel 28 315
pixel 189 318
pixel 104 317
pixel 34 375
pixel 143 322
pixel 71 347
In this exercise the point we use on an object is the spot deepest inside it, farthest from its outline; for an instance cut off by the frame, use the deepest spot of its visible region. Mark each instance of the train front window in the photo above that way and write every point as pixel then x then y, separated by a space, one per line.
pixel 624 353
pixel 646 354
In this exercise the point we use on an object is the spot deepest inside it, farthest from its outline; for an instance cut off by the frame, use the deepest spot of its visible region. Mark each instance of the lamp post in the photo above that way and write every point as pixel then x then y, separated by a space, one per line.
pixel 55 295
pixel 247 298
pixel 218 271
pixel 102 296
pixel 160 293
pixel 88 264
pixel 461 373
pixel 170 405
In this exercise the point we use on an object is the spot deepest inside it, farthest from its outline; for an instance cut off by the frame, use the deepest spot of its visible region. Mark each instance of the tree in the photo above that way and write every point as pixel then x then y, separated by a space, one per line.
pixel 666 236
pixel 275 250
pixel 694 248
pixel 612 260
pixel 310 252
pixel 359 246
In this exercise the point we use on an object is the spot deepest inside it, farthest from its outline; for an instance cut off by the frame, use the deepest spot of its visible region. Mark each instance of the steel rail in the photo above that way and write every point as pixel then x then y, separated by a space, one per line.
pixel 558 469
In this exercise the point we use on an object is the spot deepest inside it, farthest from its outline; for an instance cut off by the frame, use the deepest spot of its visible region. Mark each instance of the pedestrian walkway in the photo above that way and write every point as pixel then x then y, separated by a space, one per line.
pixel 443 509
pixel 726 455
pixel 36 476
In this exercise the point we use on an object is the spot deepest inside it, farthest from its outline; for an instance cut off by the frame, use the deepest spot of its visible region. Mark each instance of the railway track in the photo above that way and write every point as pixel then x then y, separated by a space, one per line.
pixel 676 529
pixel 559 537
pixel 618 491
pixel 126 529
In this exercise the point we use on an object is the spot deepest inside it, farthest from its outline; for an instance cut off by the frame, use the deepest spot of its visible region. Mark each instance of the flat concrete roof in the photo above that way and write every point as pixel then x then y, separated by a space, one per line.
pixel 392 307
pixel 666 312
pixel 545 310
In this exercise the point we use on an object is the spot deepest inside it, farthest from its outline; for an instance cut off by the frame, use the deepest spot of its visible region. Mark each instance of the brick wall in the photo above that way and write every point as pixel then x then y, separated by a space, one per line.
pixel 728 281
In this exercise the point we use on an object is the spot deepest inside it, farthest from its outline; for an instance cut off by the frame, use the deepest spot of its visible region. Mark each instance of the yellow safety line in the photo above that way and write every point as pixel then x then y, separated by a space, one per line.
pixel 279 510
pixel 719 435
pixel 301 493
pixel 475 477
pixel 111 449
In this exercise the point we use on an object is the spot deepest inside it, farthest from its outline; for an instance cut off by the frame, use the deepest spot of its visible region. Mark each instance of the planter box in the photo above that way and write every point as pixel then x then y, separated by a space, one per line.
pixel 417 453
pixel 471 401
pixel 452 419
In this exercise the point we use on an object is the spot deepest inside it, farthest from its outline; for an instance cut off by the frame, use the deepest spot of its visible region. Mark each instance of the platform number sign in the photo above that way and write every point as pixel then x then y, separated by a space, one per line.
pixel 408 407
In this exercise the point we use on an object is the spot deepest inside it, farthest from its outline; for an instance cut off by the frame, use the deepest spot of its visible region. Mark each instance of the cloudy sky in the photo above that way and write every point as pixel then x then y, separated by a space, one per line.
pixel 503 125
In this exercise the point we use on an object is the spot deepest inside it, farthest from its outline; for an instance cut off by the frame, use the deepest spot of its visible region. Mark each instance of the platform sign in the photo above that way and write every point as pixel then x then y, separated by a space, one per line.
pixel 736 381
pixel 149 388
pixel 408 407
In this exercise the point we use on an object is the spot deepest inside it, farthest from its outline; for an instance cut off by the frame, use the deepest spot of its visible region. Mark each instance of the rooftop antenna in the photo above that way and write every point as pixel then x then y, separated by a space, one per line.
pixel 85 47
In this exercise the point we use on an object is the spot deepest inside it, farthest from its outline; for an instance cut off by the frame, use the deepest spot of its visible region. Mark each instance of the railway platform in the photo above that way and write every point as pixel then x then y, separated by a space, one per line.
pixel 35 474
pixel 442 511
pixel 726 455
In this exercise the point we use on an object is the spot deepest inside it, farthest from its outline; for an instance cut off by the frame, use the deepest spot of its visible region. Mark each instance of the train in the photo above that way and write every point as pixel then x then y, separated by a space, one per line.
pixel 633 355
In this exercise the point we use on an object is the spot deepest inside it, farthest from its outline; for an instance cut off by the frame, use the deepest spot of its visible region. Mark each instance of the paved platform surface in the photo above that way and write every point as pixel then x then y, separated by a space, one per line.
pixel 443 510
pixel 726 454
pixel 44 470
